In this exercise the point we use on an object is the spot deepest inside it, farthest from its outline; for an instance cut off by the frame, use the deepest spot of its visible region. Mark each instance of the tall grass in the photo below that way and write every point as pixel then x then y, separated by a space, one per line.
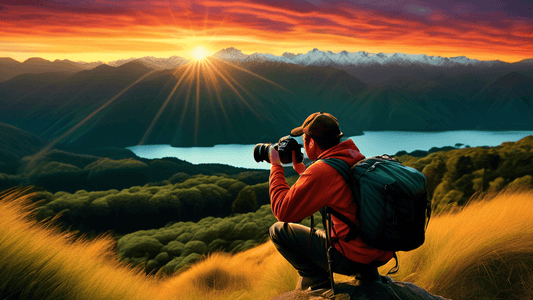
pixel 38 261
pixel 484 251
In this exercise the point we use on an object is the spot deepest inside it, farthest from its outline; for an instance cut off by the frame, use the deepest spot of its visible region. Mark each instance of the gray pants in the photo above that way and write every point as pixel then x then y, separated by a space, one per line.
pixel 309 257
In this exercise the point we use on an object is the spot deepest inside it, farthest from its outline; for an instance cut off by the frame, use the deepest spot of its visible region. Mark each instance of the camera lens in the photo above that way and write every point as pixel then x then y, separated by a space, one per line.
pixel 261 152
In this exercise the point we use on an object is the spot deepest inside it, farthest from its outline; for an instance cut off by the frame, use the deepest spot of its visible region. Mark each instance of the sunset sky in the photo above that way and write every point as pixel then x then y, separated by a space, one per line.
pixel 108 30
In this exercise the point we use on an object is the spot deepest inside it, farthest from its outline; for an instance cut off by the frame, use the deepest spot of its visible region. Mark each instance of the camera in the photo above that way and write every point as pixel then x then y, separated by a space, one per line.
pixel 285 146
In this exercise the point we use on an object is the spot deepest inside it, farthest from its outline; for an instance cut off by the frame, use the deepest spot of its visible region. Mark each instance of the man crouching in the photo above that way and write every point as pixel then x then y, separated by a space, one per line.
pixel 319 185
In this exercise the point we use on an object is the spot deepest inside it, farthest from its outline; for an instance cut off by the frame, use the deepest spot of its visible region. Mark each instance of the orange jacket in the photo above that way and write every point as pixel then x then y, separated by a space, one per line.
pixel 321 185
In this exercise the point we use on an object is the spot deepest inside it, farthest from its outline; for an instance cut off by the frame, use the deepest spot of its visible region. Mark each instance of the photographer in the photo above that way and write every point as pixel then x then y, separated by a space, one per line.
pixel 319 185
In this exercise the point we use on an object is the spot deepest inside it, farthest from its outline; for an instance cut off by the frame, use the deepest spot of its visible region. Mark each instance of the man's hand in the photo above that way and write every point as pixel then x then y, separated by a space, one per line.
pixel 299 167
pixel 273 155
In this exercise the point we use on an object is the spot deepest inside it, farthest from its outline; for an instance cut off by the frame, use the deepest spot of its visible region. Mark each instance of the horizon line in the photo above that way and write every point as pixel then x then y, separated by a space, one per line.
pixel 188 59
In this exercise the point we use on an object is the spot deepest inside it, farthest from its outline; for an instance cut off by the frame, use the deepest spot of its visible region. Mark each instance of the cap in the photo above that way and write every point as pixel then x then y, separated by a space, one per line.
pixel 319 125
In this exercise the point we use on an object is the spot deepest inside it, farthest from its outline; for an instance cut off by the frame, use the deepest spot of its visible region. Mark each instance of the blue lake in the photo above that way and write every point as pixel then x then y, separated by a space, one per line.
pixel 370 144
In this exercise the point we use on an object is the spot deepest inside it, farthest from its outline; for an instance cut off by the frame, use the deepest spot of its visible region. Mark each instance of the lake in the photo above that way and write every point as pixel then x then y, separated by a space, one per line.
pixel 370 144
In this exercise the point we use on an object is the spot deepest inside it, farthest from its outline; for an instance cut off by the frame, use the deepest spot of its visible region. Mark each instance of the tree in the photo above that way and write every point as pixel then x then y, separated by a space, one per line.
pixel 246 201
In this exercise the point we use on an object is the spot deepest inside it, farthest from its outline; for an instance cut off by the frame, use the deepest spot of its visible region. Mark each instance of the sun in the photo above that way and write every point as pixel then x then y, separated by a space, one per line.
pixel 199 53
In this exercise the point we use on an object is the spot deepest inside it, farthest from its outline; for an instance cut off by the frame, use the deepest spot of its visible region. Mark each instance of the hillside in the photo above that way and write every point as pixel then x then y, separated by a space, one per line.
pixel 200 107
pixel 229 213
pixel 10 68
pixel 507 100
pixel 455 176
pixel 218 102
pixel 16 143
pixel 482 252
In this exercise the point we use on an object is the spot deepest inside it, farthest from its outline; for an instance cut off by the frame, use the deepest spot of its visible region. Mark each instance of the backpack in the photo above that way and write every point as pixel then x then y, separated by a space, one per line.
pixel 393 208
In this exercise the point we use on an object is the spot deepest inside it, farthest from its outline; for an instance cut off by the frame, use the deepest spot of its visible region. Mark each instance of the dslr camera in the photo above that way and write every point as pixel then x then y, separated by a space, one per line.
pixel 285 146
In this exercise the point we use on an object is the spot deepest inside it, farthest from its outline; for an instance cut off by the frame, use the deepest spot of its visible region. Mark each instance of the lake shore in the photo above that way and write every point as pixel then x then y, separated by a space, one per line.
pixel 372 143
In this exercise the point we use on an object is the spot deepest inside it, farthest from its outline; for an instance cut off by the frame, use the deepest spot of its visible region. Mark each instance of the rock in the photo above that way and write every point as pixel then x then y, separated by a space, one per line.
pixel 387 289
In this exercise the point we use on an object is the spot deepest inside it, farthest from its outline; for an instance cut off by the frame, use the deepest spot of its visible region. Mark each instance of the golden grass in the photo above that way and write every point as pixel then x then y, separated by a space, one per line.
pixel 40 262
pixel 484 251
pixel 258 273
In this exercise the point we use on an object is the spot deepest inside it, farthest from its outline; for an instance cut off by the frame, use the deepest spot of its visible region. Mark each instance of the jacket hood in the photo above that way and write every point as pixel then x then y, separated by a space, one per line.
pixel 346 151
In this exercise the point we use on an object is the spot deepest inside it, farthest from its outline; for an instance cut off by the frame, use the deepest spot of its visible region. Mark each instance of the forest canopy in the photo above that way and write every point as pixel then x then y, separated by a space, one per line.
pixel 152 206
pixel 453 177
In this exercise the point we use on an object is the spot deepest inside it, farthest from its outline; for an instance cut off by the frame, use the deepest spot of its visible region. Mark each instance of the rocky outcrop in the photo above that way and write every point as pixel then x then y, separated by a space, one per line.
pixel 386 289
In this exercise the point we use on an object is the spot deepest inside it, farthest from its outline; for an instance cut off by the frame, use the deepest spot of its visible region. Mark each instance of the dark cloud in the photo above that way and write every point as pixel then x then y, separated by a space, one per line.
pixel 25 2
pixel 519 8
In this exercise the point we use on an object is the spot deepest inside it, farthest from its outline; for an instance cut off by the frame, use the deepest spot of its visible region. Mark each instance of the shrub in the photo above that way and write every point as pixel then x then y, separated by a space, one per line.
pixel 252 177
pixel 185 262
pixel 262 193
pixel 106 173
pixel 249 244
pixel 185 237
pixel 211 234
pixel 245 202
pixel 205 235
pixel 522 182
pixel 497 185
pixel 174 248
pixel 162 258
pixel 449 200
pixel 225 227
pixel 197 180
pixel 247 231
pixel 179 177
pixel 135 246
pixel 213 194
pixel 217 245
pixel 194 247
pixel 434 173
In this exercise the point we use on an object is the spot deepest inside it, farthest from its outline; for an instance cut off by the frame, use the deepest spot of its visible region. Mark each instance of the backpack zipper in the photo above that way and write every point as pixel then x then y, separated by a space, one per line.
pixel 373 167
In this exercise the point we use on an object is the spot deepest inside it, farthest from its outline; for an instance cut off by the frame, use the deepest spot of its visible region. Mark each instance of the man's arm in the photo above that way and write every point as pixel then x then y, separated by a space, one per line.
pixel 309 194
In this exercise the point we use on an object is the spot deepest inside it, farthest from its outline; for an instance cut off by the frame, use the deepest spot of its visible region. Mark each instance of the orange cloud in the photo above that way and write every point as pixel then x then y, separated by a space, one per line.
pixel 107 30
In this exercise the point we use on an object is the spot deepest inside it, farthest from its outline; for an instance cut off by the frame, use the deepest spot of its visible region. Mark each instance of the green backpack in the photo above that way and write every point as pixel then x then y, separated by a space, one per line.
pixel 392 203
pixel 392 206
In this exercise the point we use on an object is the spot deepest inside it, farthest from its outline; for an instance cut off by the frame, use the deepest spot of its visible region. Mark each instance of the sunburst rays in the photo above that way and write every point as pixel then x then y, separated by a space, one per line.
pixel 214 74
pixel 204 79
pixel 208 80
pixel 91 115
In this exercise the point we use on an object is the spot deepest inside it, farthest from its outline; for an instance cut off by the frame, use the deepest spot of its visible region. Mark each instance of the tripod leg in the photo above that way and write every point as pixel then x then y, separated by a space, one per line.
pixel 330 251
pixel 330 262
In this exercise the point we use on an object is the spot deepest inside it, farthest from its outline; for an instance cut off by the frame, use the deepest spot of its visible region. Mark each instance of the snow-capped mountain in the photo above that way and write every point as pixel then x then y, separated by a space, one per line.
pixel 368 67
pixel 232 54
pixel 316 57
pixel 372 67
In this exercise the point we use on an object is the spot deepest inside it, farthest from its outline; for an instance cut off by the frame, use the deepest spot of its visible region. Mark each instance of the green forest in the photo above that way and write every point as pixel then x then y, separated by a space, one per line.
pixel 455 176
pixel 164 225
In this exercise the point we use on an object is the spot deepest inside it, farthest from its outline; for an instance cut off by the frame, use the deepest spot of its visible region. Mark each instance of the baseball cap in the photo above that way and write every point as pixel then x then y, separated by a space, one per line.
pixel 319 125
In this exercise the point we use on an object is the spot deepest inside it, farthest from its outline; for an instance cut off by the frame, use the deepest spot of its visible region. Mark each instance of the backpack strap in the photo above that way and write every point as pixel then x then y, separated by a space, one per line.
pixel 344 169
pixel 396 268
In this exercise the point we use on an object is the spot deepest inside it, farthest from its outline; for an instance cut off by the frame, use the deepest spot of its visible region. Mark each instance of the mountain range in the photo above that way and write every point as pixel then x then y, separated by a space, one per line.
pixel 232 98
pixel 368 67
pixel 316 57
pixel 382 67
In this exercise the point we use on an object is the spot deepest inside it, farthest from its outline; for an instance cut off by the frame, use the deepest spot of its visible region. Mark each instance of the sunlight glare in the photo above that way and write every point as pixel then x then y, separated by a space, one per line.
pixel 199 53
